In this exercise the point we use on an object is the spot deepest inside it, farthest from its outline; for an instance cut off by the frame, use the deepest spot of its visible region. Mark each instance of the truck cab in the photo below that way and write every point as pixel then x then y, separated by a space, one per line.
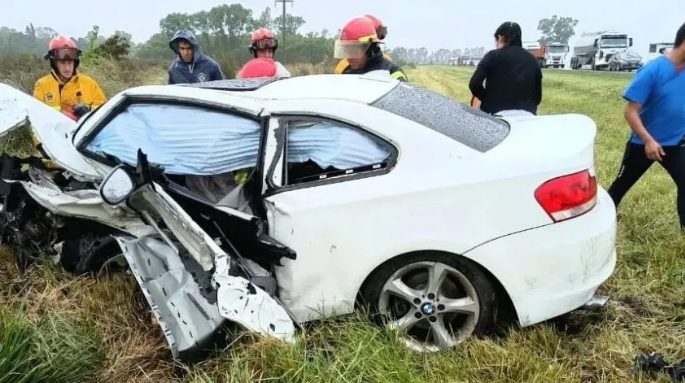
pixel 657 49
pixel 596 49
pixel 608 45
pixel 555 56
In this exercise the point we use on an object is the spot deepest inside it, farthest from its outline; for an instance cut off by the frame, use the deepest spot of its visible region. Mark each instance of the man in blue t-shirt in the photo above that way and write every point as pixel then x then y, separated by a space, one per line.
pixel 656 114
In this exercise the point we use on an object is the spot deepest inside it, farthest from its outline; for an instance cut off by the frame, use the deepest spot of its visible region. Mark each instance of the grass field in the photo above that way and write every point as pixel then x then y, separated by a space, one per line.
pixel 55 328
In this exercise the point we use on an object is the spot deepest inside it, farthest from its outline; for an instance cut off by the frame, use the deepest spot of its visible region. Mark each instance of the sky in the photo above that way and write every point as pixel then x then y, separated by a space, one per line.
pixel 432 24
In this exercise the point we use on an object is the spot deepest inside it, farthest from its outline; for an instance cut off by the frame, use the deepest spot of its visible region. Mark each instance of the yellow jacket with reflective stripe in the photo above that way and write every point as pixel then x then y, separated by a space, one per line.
pixel 379 62
pixel 80 89
pixel 343 64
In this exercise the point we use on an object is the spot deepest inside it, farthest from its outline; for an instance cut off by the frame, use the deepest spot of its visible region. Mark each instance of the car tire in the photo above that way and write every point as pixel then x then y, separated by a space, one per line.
pixel 90 255
pixel 431 319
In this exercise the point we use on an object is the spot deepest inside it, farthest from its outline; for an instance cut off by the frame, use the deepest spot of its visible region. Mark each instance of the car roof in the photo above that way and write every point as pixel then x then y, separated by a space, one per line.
pixel 358 88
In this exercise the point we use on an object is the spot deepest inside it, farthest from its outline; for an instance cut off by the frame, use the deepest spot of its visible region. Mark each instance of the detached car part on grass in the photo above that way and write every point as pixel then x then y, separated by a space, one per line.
pixel 269 203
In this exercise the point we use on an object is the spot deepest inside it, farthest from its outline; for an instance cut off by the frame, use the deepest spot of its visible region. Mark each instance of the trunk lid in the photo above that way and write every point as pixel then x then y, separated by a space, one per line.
pixel 542 144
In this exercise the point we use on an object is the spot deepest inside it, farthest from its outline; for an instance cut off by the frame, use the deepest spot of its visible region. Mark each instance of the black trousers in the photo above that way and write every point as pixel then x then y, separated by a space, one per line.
pixel 635 164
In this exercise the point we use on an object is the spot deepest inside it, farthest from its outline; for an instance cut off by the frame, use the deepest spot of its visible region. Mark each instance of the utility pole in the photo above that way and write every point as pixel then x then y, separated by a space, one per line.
pixel 282 37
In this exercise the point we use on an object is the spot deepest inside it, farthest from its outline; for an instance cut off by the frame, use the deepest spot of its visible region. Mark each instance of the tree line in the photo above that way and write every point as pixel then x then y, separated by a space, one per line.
pixel 224 33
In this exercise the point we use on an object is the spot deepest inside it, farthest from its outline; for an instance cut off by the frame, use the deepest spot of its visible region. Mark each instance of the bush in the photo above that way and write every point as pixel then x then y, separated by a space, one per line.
pixel 113 76
pixel 305 69
pixel 22 71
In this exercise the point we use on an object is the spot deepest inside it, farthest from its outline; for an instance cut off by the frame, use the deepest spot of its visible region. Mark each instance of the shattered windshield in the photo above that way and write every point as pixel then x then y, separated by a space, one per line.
pixel 469 126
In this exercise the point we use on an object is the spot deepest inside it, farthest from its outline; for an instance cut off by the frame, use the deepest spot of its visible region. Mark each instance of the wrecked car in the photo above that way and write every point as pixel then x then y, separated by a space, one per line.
pixel 271 203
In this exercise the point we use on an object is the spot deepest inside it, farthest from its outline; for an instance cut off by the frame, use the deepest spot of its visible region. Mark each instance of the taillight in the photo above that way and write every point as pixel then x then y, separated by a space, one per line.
pixel 568 196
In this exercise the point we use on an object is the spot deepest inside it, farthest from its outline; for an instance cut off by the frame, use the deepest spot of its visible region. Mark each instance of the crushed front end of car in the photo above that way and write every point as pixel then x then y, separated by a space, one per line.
pixel 197 284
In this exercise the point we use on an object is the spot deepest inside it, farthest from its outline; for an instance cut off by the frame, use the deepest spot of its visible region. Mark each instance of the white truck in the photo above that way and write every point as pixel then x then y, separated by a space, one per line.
pixel 656 50
pixel 555 55
pixel 596 49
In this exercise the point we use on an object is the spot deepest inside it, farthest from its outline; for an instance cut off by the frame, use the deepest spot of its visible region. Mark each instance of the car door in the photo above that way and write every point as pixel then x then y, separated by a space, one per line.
pixel 192 161
pixel 324 181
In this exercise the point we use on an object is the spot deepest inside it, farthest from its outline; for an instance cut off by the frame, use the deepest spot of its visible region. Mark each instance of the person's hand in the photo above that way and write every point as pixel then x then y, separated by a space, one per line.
pixel 81 109
pixel 70 114
pixel 654 151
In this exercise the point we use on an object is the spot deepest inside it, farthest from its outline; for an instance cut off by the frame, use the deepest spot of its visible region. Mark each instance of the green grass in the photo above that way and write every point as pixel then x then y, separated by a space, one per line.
pixel 647 312
pixel 53 348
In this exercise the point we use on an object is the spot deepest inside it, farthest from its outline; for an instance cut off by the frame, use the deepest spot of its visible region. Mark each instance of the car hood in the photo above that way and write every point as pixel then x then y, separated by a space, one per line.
pixel 53 129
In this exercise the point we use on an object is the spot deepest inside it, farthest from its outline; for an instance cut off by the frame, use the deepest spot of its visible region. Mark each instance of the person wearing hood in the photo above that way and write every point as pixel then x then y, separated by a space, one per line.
pixel 190 64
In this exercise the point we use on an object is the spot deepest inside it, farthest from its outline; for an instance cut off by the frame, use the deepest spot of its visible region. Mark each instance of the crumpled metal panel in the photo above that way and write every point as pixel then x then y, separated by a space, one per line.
pixel 189 321
pixel 53 129
pixel 242 302
pixel 237 299
pixel 466 125
pixel 85 204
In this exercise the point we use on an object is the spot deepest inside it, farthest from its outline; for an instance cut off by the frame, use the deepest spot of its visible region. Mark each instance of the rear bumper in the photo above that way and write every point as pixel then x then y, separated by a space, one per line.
pixel 557 268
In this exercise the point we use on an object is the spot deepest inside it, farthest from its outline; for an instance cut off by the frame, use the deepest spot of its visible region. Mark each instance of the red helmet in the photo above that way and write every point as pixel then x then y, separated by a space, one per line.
pixel 381 30
pixel 359 29
pixel 258 67
pixel 62 48
pixel 263 38
pixel 355 38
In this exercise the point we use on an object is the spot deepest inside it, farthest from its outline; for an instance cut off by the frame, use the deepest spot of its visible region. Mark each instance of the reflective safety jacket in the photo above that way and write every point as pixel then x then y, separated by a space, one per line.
pixel 80 89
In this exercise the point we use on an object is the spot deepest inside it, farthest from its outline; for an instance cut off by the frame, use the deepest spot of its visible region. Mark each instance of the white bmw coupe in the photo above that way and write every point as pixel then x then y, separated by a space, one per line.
pixel 270 203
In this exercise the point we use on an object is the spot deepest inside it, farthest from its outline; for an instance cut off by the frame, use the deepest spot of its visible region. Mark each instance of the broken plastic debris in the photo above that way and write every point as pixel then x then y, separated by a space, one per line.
pixel 654 363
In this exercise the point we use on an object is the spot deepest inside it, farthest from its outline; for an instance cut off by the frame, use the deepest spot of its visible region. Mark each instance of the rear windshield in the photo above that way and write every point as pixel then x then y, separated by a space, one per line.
pixel 469 126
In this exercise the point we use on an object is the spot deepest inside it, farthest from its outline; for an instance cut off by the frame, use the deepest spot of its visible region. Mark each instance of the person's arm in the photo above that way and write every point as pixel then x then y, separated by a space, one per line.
pixel 98 95
pixel 398 74
pixel 171 77
pixel 218 74
pixel 282 71
pixel 538 86
pixel 653 149
pixel 342 65
pixel 38 92
pixel 637 94
pixel 479 76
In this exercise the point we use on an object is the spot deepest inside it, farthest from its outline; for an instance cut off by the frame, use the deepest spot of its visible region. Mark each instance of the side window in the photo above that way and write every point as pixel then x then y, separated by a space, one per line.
pixel 211 152
pixel 652 48
pixel 318 150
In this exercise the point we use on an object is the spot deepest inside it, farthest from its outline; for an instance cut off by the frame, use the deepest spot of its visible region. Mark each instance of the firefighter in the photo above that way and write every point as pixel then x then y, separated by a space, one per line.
pixel 264 45
pixel 381 32
pixel 359 45
pixel 258 67
pixel 65 89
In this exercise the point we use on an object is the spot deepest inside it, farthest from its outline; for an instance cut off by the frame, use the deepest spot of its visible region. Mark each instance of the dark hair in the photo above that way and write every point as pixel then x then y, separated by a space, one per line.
pixel 680 36
pixel 511 32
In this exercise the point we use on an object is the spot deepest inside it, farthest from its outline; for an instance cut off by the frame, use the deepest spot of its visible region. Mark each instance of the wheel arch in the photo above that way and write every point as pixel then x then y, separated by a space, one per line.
pixel 505 311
